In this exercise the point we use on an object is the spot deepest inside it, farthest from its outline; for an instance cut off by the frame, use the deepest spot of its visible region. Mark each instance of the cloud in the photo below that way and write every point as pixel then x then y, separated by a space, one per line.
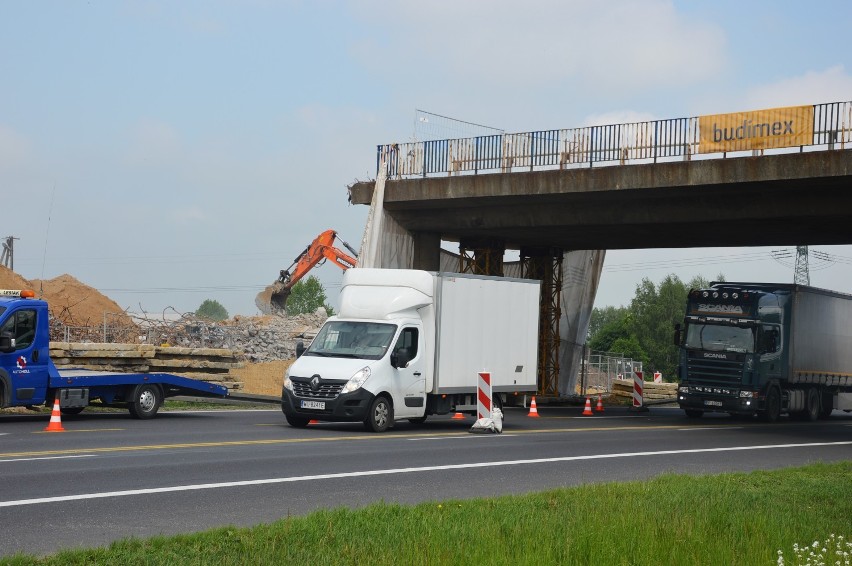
pixel 617 117
pixel 814 87
pixel 15 149
pixel 621 42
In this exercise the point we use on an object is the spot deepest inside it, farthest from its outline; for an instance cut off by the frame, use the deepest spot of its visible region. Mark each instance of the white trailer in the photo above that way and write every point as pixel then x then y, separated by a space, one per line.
pixel 408 344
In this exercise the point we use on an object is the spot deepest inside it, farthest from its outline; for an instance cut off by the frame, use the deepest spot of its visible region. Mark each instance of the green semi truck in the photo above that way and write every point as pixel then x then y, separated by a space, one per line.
pixel 765 349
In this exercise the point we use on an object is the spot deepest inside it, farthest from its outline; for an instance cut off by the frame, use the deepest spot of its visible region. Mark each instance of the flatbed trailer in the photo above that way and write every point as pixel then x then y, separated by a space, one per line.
pixel 28 376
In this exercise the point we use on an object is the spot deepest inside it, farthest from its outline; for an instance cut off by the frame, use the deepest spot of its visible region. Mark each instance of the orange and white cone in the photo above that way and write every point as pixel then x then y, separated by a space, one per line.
pixel 55 424
pixel 587 412
pixel 599 407
pixel 458 416
pixel 533 408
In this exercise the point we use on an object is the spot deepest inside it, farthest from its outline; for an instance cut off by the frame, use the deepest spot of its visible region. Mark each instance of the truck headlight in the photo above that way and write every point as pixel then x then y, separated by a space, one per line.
pixel 356 381
pixel 747 394
pixel 683 389
pixel 287 383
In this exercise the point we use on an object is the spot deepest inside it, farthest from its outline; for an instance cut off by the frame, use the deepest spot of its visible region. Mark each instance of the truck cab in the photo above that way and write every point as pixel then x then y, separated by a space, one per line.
pixel 24 348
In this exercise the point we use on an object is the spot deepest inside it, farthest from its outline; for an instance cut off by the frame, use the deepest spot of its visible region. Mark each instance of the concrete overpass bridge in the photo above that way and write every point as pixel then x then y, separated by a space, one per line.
pixel 667 183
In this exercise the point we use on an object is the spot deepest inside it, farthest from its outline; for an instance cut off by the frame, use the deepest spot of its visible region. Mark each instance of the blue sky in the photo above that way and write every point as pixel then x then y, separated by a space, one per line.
pixel 170 152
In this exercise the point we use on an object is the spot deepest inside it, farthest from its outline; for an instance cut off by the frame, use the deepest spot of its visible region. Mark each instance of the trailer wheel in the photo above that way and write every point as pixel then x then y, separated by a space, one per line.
pixel 773 406
pixel 694 413
pixel 380 415
pixel 296 421
pixel 145 401
pixel 812 405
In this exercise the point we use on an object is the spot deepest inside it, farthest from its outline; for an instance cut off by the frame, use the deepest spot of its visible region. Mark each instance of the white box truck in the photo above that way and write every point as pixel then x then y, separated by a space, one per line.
pixel 407 344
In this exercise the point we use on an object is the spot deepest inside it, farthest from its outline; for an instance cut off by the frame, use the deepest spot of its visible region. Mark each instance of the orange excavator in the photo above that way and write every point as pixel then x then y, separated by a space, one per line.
pixel 321 249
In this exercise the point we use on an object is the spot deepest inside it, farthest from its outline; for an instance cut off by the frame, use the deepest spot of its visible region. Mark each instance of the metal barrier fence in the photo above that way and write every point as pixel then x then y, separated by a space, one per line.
pixel 657 140
pixel 599 369
pixel 188 331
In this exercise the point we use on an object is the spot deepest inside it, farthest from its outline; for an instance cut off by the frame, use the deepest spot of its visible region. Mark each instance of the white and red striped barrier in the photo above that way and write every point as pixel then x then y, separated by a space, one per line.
pixel 637 388
pixel 483 396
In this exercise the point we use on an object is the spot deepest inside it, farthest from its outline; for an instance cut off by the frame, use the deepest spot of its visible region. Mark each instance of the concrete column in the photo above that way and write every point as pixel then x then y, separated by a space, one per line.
pixel 427 251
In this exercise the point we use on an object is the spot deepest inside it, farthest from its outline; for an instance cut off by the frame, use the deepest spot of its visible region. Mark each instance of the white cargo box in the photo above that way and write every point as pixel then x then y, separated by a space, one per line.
pixel 485 324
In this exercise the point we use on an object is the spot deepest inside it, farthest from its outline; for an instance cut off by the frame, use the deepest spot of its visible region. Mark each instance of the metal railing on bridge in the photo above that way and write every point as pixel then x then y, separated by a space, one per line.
pixel 635 142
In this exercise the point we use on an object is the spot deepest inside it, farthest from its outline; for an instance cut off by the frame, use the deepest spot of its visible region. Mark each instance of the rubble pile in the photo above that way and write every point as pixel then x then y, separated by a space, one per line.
pixel 268 338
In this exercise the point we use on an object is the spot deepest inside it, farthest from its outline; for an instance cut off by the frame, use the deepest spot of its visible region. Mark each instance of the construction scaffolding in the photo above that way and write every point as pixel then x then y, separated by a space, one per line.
pixel 481 257
pixel 545 264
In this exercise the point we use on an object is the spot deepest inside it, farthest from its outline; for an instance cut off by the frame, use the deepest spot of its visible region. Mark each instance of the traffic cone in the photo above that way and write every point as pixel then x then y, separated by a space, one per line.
pixel 458 416
pixel 599 407
pixel 55 424
pixel 533 408
pixel 587 412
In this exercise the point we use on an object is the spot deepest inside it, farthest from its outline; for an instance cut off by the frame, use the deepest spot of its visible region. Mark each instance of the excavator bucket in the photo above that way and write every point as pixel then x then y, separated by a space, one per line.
pixel 279 296
pixel 273 299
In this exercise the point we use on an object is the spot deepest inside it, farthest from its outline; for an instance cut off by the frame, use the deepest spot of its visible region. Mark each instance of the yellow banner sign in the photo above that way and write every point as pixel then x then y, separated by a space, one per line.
pixel 761 129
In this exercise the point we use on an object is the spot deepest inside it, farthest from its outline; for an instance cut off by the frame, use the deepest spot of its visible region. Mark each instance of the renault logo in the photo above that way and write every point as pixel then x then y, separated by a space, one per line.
pixel 315 382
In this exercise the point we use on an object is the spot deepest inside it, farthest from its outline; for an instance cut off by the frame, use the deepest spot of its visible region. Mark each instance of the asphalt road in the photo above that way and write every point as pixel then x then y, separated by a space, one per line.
pixel 110 477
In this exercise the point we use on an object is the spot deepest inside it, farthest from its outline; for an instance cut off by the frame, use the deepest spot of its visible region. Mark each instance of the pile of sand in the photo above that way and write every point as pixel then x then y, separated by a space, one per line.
pixel 69 300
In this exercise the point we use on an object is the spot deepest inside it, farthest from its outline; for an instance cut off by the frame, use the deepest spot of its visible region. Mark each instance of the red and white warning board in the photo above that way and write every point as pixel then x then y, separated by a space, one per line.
pixel 658 377
pixel 637 388
pixel 483 396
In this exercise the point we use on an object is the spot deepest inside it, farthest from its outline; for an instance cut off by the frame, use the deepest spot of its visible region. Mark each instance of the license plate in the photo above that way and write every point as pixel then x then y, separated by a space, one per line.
pixel 313 405
pixel 713 403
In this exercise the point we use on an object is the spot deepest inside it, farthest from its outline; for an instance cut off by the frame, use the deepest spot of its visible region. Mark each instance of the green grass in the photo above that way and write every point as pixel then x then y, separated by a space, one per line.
pixel 742 518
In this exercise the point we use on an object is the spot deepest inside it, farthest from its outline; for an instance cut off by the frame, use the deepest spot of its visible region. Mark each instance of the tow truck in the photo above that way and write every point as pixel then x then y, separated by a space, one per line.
pixel 28 377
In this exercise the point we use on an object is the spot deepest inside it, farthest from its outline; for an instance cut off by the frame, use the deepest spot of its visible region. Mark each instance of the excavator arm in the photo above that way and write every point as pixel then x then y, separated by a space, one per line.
pixel 321 249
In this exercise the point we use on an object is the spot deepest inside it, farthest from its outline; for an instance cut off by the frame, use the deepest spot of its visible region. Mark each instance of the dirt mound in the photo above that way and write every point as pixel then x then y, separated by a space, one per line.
pixel 11 280
pixel 69 300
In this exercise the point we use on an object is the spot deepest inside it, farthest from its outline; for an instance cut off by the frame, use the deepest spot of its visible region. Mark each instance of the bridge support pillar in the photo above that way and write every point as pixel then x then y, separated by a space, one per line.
pixel 427 251
pixel 545 264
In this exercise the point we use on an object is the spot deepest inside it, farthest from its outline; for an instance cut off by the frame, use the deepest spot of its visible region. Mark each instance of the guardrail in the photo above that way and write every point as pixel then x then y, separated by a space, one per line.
pixel 635 142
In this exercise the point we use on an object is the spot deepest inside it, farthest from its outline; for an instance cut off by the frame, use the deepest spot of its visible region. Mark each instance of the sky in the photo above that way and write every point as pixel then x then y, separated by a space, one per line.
pixel 171 152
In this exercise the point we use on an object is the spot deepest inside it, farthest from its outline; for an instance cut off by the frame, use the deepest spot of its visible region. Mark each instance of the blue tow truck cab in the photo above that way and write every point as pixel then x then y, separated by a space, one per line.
pixel 29 377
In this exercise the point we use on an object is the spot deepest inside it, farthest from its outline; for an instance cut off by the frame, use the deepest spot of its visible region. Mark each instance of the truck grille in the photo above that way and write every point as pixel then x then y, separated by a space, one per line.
pixel 326 389
pixel 728 370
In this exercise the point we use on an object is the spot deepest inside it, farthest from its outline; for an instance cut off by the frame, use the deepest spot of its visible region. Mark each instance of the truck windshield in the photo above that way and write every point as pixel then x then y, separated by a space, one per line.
pixel 347 339
pixel 720 338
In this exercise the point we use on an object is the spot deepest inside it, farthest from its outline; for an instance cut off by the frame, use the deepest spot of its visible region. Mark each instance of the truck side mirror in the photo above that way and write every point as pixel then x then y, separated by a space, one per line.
pixel 399 358
pixel 7 344
pixel 300 348
pixel 677 335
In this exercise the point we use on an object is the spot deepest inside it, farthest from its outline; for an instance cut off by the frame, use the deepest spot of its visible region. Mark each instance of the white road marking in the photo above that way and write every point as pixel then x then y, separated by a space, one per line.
pixel 712 428
pixel 395 471
pixel 47 458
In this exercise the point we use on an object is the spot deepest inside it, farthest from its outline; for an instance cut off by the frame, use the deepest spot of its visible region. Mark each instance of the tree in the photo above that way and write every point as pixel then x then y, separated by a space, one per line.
pixel 603 316
pixel 307 296
pixel 212 309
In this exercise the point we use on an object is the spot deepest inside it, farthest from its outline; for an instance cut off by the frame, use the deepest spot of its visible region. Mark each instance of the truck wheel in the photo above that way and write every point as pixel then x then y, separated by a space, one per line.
pixel 145 401
pixel 812 408
pixel 773 406
pixel 296 421
pixel 71 411
pixel 380 415
pixel 694 413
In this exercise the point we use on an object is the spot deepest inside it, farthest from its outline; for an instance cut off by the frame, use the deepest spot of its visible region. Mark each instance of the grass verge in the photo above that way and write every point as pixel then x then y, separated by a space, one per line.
pixel 738 518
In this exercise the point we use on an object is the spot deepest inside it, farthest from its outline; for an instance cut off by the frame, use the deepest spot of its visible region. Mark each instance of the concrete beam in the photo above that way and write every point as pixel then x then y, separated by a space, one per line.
pixel 788 199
